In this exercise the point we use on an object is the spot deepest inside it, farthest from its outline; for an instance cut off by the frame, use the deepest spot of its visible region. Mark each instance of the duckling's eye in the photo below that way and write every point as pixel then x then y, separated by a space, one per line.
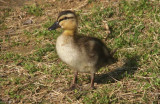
pixel 65 18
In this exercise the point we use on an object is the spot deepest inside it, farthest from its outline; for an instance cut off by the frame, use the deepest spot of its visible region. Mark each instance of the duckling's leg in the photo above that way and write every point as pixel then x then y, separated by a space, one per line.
pixel 74 80
pixel 75 77
pixel 92 80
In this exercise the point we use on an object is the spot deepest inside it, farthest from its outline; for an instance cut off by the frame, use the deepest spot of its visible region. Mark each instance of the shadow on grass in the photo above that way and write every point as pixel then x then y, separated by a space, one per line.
pixel 129 68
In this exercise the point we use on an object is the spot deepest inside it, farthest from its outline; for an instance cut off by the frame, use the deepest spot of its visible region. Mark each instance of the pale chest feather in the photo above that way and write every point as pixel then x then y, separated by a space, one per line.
pixel 67 51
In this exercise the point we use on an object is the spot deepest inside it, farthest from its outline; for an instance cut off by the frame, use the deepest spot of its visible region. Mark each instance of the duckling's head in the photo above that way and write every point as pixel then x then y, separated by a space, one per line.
pixel 66 20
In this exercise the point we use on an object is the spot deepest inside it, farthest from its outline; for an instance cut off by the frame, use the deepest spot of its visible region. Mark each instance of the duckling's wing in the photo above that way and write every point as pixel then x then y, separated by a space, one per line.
pixel 93 48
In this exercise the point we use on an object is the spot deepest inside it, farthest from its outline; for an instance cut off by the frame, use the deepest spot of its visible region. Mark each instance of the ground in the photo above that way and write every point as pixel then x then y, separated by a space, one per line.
pixel 31 72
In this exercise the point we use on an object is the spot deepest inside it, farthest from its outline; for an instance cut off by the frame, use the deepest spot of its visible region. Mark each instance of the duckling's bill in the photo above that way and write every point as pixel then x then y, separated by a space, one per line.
pixel 54 26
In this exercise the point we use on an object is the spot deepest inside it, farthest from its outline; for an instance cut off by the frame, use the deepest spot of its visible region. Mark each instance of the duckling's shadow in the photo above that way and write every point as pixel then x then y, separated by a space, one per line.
pixel 129 68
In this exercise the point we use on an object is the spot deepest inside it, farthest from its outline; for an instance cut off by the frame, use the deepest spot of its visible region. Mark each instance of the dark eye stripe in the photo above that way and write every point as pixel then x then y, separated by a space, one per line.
pixel 65 18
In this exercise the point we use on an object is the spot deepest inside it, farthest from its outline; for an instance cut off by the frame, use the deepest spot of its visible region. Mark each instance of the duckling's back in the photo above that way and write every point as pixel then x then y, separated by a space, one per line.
pixel 85 54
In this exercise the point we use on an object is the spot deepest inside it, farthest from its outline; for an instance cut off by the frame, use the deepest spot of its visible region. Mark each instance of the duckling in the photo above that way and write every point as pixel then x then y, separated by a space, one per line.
pixel 82 53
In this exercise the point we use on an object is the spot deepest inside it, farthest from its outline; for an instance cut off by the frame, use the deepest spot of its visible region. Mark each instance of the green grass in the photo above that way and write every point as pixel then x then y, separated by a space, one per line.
pixel 38 76
pixel 101 96
pixel 9 56
pixel 5 12
pixel 34 10
pixel 40 52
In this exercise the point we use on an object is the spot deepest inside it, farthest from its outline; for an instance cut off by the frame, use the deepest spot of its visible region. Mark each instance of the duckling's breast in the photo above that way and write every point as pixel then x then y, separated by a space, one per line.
pixel 71 54
pixel 66 50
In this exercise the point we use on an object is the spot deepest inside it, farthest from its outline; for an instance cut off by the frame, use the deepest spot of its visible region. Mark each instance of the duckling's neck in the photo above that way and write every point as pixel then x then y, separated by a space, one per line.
pixel 69 32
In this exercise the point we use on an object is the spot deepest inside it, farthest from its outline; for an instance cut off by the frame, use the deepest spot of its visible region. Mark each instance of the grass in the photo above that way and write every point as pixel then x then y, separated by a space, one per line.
pixel 34 10
pixel 5 12
pixel 36 75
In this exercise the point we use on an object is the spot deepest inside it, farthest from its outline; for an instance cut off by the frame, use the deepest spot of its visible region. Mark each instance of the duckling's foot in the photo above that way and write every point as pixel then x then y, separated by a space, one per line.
pixel 88 87
pixel 72 87
pixel 92 88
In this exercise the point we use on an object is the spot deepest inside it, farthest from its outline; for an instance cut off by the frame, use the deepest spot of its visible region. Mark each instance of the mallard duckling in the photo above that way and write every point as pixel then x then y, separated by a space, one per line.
pixel 81 53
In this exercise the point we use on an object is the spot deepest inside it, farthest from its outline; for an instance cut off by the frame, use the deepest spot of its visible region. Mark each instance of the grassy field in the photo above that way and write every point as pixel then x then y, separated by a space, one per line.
pixel 31 72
